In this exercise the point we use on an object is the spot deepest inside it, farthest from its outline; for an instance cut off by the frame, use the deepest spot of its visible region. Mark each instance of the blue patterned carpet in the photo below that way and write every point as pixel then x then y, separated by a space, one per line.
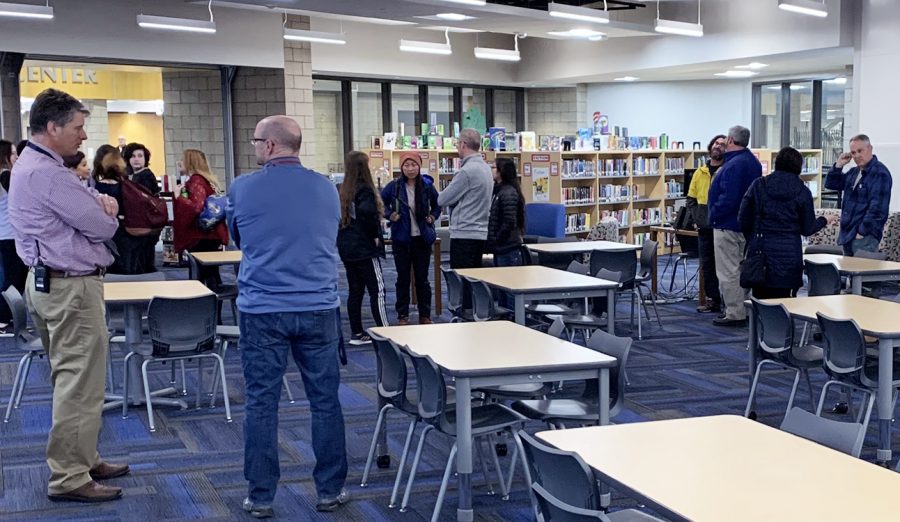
pixel 191 468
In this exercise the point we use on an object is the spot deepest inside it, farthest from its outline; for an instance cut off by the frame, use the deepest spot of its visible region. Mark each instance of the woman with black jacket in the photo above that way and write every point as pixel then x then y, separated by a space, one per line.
pixel 360 244
pixel 412 233
pixel 776 210
pixel 507 218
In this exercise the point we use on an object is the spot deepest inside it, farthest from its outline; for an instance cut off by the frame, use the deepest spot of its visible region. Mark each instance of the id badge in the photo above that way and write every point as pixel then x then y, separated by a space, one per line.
pixel 41 279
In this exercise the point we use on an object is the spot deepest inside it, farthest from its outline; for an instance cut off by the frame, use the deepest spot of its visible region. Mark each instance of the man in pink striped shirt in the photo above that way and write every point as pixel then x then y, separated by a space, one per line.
pixel 60 227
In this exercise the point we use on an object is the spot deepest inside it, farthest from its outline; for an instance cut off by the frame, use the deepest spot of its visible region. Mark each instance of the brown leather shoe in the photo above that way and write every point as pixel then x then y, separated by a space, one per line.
pixel 402 321
pixel 425 320
pixel 106 470
pixel 90 492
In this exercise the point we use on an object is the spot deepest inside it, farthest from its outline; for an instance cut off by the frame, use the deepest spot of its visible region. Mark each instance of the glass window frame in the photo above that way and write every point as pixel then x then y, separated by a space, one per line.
pixel 785 111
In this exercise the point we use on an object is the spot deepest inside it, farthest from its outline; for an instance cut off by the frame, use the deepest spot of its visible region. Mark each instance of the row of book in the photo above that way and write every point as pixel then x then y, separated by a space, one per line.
pixel 448 165
pixel 621 216
pixel 610 193
pixel 578 168
pixel 613 167
pixel 578 195
pixel 675 165
pixel 646 216
pixel 811 165
pixel 642 166
pixel 580 222
pixel 674 189
pixel 813 187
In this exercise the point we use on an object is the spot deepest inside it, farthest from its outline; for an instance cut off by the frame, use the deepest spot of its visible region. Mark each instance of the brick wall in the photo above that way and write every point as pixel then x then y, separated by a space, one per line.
pixel 367 118
pixel 9 86
pixel 96 127
pixel 505 111
pixel 329 155
pixel 256 93
pixel 553 110
pixel 298 88
pixel 193 118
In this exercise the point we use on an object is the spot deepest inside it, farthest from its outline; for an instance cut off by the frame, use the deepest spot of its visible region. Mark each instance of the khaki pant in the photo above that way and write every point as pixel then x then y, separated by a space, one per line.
pixel 729 247
pixel 71 320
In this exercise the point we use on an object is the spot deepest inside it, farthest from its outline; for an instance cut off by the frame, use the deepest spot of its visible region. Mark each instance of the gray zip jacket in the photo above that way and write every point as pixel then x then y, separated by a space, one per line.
pixel 469 197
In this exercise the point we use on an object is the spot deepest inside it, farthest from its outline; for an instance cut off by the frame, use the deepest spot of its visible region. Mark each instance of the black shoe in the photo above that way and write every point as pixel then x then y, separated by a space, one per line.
pixel 722 321
pixel 840 408
pixel 330 504
pixel 721 315
pixel 709 309
pixel 257 510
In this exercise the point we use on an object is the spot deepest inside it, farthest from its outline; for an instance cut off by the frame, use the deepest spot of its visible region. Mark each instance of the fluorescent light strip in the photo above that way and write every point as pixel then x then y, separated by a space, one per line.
pixel 579 33
pixel 841 80
pixel 807 7
pixel 300 35
pixel 582 14
pixel 415 46
pixel 737 74
pixel 479 3
pixel 503 55
pixel 752 66
pixel 176 24
pixel 37 12
pixel 453 17
pixel 626 79
pixel 679 28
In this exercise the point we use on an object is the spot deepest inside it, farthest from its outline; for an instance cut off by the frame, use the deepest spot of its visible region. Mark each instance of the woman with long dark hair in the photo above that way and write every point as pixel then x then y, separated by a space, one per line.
pixel 507 219
pixel 410 203
pixel 109 171
pixel 360 244
pixel 137 158
pixel 14 270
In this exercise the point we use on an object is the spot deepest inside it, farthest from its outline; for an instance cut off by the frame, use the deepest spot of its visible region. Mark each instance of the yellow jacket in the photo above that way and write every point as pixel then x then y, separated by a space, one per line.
pixel 700 183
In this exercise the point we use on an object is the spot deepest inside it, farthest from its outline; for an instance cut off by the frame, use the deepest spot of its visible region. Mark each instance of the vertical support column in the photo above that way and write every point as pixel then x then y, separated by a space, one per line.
pixel 227 73
pixel 10 105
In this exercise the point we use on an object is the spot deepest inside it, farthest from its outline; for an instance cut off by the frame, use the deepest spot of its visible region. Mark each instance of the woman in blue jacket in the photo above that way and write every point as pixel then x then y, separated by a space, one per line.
pixel 776 210
pixel 410 203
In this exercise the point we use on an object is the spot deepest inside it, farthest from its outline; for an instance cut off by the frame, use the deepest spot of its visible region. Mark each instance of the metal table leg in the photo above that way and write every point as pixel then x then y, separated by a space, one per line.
pixel 520 308
pixel 464 512
pixel 856 284
pixel 611 311
pixel 884 402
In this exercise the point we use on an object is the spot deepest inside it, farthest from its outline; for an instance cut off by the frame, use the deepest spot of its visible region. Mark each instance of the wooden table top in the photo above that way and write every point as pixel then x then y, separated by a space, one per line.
pixel 492 348
pixel 579 247
pixel 711 469
pixel 855 265
pixel 144 291
pixel 535 278
pixel 219 257
pixel 874 316
pixel 673 230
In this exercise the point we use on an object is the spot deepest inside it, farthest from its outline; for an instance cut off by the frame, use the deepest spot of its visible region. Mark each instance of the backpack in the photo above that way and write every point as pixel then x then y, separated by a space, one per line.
pixel 144 213
pixel 213 212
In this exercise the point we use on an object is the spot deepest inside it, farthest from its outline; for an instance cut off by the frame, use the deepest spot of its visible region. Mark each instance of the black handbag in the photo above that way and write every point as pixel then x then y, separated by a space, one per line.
pixel 753 266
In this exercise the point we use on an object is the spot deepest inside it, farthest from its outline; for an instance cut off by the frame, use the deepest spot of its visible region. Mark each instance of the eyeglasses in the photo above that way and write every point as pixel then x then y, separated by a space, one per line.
pixel 254 141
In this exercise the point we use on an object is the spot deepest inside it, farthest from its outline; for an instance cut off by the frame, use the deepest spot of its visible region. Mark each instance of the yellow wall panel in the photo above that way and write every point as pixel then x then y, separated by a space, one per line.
pixel 143 128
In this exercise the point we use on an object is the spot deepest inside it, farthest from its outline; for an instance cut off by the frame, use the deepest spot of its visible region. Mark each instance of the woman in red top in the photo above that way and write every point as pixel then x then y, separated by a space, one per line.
pixel 189 203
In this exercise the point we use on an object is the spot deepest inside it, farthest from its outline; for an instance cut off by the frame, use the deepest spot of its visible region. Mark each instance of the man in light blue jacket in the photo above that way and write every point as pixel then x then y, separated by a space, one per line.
pixel 469 197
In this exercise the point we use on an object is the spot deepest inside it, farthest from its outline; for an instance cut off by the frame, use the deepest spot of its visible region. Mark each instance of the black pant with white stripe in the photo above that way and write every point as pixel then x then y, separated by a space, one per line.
pixel 365 275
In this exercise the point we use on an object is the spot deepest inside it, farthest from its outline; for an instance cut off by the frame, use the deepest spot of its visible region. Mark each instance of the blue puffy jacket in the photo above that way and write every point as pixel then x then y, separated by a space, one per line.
pixel 395 200
pixel 728 187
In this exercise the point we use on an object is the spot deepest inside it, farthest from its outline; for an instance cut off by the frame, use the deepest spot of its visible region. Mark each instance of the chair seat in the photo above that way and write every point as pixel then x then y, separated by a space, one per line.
pixel 589 320
pixel 34 345
pixel 230 331
pixel 548 410
pixel 225 291
pixel 549 308
pixel 485 419
pixel 631 515
pixel 808 353
pixel 517 391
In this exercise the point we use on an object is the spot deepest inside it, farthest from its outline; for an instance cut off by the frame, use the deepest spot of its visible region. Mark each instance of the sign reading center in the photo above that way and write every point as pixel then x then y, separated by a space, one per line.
pixel 63 75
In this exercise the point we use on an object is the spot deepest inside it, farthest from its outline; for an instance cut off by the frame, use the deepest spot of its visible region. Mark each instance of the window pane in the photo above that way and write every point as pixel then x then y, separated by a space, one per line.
pixel 770 117
pixel 366 102
pixel 474 109
pixel 329 152
pixel 440 107
pixel 801 115
pixel 405 108
pixel 832 120
pixel 505 110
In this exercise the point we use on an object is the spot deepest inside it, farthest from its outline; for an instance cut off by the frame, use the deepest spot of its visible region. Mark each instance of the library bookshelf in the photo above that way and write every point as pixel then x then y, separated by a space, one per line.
pixel 640 188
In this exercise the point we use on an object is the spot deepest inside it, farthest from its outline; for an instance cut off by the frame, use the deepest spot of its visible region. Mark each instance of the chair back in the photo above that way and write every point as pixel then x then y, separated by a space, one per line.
pixel 115 313
pixel 182 326
pixel 431 387
pixel 577 267
pixel 545 219
pixel 557 327
pixel 614 346
pixel 562 473
pixel 558 261
pixel 881 256
pixel 648 256
pixel 390 373
pixel 844 350
pixel 608 275
pixel 193 267
pixel 553 509
pixel 774 327
pixel 846 437
pixel 19 315
pixel 454 289
pixel 689 245
pixel 824 278
pixel 527 256
pixel 623 261
pixel 483 305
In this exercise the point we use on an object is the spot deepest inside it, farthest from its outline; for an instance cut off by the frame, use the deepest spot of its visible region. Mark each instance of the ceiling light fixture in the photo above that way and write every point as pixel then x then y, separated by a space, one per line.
pixel 579 33
pixel 582 14
pixel 840 80
pixel 626 79
pixel 168 23
pixel 39 12
pixel 503 55
pixel 453 17
pixel 479 3
pixel 737 74
pixel 300 35
pixel 807 7
pixel 752 66
pixel 679 28
pixel 416 46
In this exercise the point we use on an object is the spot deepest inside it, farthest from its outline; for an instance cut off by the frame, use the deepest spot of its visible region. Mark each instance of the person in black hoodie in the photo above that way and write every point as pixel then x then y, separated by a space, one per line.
pixel 360 244
pixel 507 218
pixel 776 210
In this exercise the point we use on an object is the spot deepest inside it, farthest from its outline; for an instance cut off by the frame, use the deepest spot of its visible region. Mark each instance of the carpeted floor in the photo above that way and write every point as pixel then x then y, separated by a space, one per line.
pixel 191 468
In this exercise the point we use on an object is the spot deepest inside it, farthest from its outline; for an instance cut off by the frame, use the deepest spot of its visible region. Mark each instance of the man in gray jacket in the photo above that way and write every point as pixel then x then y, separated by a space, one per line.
pixel 469 197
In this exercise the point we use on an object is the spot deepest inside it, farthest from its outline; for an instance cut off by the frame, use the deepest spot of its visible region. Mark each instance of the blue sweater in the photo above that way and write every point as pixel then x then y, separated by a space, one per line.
pixel 865 208
pixel 285 219
pixel 740 170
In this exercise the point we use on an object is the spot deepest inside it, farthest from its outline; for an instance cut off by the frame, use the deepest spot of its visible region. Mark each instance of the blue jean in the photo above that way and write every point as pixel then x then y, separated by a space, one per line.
pixel 511 258
pixel 312 338
pixel 867 243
